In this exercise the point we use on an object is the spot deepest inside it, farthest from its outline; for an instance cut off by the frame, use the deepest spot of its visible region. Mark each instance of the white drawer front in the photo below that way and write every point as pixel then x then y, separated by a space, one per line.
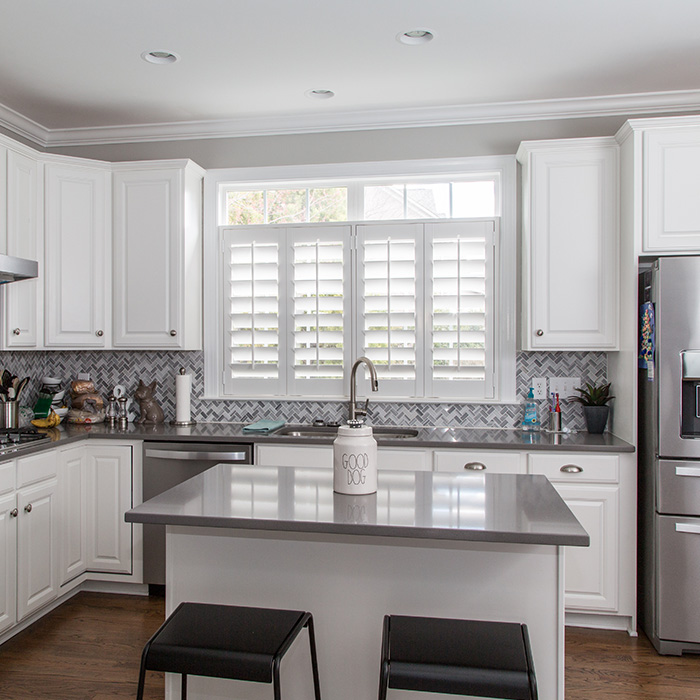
pixel 294 456
pixel 470 461
pixel 576 467
pixel 406 460
pixel 7 477
pixel 36 468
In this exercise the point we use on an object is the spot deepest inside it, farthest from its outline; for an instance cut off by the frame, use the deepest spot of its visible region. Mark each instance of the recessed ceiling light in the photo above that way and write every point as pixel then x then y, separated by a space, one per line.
pixel 160 56
pixel 320 94
pixel 415 36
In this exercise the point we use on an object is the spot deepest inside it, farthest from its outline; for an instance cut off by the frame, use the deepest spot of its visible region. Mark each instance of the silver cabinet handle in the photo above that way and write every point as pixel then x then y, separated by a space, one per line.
pixel 99 334
pixel 16 331
pixel 687 471
pixel 539 333
pixel 475 466
pixel 571 469
pixel 28 508
pixel 688 527
pixel 13 513
pixel 190 456
pixel 173 333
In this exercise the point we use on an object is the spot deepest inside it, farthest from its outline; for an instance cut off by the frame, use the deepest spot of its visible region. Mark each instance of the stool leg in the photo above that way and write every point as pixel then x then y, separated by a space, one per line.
pixel 183 687
pixel 314 658
pixel 384 667
pixel 276 679
pixel 142 671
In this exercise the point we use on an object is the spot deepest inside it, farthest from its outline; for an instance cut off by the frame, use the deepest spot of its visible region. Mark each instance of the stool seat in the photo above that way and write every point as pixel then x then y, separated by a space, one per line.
pixel 225 641
pixel 458 657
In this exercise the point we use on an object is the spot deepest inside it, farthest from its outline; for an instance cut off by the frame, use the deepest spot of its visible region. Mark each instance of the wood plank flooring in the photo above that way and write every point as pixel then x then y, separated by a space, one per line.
pixel 90 649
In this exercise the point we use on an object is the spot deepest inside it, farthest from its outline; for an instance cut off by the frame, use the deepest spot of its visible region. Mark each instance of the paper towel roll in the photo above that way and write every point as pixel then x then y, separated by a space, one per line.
pixel 183 393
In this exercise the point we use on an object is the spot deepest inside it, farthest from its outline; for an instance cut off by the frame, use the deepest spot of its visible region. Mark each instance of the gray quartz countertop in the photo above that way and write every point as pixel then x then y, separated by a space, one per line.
pixel 503 508
pixel 459 438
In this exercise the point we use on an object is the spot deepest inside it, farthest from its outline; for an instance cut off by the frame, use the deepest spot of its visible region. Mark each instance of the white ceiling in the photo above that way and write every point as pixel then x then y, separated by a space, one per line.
pixel 71 70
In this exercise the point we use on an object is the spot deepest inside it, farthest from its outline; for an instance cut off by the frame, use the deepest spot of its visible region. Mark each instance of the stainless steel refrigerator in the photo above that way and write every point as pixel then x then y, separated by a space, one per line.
pixel 669 454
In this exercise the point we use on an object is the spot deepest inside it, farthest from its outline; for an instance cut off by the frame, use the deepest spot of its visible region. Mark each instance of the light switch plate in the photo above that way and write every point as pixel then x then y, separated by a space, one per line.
pixel 564 386
pixel 539 386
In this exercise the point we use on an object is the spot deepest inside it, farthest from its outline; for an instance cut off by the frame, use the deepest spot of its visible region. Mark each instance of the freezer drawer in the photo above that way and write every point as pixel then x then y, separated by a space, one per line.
pixel 679 487
pixel 679 578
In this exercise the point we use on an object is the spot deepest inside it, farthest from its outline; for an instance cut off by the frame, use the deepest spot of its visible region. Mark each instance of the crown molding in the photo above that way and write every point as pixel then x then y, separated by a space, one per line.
pixel 460 115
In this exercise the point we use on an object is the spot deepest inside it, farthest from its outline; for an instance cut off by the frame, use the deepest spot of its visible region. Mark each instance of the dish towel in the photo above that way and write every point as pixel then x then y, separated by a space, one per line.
pixel 263 426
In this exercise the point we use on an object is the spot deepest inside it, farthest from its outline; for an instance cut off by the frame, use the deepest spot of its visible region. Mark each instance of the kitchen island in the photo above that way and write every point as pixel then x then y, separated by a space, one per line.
pixel 444 545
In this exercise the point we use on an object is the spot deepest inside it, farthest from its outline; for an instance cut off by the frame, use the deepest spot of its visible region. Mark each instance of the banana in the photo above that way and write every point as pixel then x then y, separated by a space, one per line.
pixel 51 421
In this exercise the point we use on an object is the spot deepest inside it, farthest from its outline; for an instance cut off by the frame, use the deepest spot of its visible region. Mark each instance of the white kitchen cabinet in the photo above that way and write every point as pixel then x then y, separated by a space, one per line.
pixel 671 172
pixel 23 323
pixel 72 495
pixel 479 461
pixel 108 497
pixel 157 219
pixel 78 270
pixel 8 546
pixel 571 246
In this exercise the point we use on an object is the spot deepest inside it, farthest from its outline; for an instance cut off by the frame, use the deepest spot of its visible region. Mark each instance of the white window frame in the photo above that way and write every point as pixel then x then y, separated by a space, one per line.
pixel 504 167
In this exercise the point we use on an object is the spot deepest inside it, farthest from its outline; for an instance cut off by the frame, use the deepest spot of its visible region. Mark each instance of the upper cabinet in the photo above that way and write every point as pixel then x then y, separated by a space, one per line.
pixel 157 243
pixel 77 239
pixel 570 244
pixel 23 319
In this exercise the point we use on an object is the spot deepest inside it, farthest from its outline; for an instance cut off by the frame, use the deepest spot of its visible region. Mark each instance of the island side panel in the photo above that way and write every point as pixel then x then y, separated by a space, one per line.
pixel 349 583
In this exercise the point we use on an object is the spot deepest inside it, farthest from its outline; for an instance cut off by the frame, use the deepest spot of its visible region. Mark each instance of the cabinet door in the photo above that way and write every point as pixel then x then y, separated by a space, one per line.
pixel 37 540
pixel 671 183
pixel 147 258
pixel 73 540
pixel 571 235
pixel 8 561
pixel 108 497
pixel 591 573
pixel 76 243
pixel 24 240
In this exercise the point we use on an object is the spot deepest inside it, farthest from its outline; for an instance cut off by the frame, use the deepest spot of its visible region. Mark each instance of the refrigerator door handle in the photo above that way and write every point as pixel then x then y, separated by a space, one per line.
pixel 697 400
pixel 687 471
pixel 688 527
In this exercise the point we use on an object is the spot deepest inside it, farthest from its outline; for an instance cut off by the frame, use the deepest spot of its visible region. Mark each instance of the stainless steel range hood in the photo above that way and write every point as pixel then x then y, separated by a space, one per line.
pixel 13 269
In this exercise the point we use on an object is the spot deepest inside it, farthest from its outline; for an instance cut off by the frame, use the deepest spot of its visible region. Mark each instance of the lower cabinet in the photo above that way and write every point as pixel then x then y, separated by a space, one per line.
pixel 8 558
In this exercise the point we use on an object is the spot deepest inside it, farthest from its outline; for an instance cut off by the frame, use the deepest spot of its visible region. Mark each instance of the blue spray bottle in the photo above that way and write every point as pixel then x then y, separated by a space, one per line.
pixel 531 422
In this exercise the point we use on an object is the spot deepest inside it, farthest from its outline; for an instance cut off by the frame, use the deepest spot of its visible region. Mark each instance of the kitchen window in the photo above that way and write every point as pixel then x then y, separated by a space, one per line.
pixel 422 290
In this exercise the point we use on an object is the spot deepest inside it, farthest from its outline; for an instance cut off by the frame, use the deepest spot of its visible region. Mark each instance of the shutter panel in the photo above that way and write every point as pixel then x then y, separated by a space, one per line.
pixel 253 275
pixel 319 294
pixel 390 298
pixel 460 259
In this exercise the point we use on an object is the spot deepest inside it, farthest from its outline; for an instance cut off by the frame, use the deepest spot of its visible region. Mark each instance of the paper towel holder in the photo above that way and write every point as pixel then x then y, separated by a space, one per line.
pixel 183 423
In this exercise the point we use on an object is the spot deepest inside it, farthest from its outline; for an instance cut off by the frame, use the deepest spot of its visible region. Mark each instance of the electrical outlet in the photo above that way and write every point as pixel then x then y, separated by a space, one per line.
pixel 539 386
pixel 564 386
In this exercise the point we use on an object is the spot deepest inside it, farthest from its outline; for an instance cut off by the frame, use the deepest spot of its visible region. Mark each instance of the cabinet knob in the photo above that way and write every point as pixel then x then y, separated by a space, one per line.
pixel 13 513
pixel 173 333
pixel 539 332
pixel 571 469
pixel 475 466
pixel 28 508
pixel 99 334
pixel 16 331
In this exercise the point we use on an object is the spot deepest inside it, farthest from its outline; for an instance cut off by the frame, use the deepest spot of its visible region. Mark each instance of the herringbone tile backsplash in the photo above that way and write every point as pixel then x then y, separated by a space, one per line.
pixel 108 368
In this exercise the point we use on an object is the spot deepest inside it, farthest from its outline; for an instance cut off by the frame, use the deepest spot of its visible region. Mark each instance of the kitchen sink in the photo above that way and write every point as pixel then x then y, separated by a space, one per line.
pixel 323 430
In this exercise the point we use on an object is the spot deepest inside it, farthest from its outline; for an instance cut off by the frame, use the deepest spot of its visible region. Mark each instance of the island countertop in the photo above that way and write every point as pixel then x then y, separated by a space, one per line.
pixel 503 508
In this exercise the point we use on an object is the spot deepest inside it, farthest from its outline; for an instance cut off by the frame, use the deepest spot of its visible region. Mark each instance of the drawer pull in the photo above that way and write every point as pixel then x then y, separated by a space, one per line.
pixel 13 513
pixel 571 469
pixel 687 471
pixel 28 508
pixel 475 466
pixel 688 527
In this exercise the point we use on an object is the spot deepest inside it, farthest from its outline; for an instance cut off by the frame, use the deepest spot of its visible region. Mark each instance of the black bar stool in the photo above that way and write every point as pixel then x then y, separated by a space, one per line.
pixel 457 657
pixel 226 641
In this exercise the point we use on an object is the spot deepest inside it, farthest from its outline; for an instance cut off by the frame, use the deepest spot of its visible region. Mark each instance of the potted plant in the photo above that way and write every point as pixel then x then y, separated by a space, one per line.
pixel 594 399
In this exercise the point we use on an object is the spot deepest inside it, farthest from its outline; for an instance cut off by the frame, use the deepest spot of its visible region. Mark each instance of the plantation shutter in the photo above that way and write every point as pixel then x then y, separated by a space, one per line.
pixel 253 278
pixel 319 294
pixel 390 300
pixel 460 319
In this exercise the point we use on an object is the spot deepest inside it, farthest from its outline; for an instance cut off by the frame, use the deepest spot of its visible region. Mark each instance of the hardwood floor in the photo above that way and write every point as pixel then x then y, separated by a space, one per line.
pixel 90 648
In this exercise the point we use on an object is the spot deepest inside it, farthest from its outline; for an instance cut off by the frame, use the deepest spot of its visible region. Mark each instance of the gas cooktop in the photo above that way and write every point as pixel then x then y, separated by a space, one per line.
pixel 16 439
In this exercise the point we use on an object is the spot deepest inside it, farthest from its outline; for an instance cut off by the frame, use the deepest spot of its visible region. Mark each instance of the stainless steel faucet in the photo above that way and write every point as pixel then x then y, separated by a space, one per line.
pixel 354 411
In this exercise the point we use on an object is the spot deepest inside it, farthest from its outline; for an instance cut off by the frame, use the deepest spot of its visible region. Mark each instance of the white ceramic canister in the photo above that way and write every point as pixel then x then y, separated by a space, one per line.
pixel 355 460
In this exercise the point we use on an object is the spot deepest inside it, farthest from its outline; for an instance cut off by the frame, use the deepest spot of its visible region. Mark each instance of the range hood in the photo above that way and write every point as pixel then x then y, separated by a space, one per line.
pixel 13 269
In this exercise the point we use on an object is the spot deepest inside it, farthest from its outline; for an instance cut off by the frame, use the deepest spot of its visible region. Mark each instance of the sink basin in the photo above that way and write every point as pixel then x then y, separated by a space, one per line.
pixel 327 430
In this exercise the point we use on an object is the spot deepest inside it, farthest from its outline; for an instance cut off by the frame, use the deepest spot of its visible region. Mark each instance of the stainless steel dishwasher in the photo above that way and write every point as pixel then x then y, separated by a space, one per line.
pixel 167 464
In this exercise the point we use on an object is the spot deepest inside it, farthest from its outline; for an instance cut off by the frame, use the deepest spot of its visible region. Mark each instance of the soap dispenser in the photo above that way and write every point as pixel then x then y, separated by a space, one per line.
pixel 531 422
